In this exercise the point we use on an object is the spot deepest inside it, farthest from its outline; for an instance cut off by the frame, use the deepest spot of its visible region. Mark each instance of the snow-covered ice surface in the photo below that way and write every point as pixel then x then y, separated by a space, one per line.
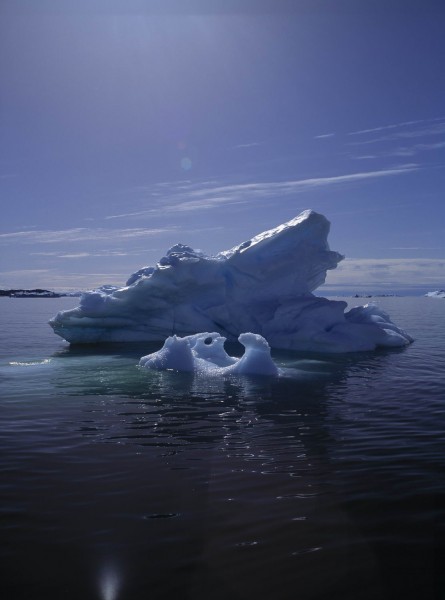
pixel 263 286
pixel 204 354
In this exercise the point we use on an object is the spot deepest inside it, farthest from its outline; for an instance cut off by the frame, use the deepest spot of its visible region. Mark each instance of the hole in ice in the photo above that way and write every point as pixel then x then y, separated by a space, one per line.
pixel 208 341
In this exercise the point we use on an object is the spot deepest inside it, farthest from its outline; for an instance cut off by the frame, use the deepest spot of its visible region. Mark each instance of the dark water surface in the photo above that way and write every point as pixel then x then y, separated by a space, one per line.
pixel 119 483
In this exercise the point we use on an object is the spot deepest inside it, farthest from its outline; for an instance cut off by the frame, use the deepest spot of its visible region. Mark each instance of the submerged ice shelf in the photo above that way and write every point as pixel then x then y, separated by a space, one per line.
pixel 263 286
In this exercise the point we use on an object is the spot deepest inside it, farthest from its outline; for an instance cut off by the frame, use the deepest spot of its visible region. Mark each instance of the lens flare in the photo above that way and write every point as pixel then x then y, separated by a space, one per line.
pixel 109 582
pixel 186 163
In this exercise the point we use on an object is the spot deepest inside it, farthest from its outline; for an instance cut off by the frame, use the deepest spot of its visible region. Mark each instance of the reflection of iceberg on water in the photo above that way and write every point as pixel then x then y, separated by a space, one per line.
pixel 263 286
pixel 204 354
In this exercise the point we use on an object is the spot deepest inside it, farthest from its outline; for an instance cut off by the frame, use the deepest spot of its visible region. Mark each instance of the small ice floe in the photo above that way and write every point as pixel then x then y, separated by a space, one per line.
pixel 204 354
pixel 29 363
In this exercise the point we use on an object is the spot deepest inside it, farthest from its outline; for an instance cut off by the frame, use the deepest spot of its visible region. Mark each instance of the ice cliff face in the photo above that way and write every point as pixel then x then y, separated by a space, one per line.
pixel 262 286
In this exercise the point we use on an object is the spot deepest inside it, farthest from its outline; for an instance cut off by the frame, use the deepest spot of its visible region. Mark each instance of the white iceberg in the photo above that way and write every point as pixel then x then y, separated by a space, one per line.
pixel 204 354
pixel 436 294
pixel 263 286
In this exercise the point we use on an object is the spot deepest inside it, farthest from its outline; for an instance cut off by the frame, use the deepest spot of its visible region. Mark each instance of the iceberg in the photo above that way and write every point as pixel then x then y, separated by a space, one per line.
pixel 263 286
pixel 204 354
pixel 436 294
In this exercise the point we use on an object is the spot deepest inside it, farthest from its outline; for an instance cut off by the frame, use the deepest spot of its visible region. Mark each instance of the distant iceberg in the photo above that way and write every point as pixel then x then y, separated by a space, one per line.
pixel 263 286
pixel 204 354
pixel 436 294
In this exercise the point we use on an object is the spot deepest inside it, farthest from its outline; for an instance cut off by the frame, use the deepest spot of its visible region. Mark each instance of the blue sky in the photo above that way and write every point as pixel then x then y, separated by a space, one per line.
pixel 127 131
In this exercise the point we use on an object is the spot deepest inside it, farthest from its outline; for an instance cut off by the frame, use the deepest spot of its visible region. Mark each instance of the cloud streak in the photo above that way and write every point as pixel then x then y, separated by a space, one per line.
pixel 192 197
pixel 103 253
pixel 249 145
pixel 407 139
pixel 431 130
pixel 80 234
pixel 416 148
pixel 392 126
pixel 384 273
pixel 240 193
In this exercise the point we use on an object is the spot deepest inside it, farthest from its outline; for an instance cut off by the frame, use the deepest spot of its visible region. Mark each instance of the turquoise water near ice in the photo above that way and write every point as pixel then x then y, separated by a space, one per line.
pixel 121 483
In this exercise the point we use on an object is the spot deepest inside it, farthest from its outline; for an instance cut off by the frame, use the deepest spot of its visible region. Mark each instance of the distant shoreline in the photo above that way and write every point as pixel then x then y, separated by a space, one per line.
pixel 36 293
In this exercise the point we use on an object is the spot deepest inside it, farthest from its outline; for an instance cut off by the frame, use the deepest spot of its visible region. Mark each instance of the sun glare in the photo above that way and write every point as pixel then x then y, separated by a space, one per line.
pixel 109 582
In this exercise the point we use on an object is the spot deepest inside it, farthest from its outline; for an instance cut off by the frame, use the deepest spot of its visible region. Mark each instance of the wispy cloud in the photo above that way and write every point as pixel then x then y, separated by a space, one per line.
pixel 437 129
pixel 387 273
pixel 249 145
pixel 195 197
pixel 400 125
pixel 365 157
pixel 416 248
pixel 26 272
pixel 102 253
pixel 323 136
pixel 416 148
pixel 407 139
pixel 80 234
pixel 240 193
pixel 430 130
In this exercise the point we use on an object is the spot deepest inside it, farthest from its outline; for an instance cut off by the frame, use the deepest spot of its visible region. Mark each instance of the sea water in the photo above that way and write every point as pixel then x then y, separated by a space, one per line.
pixel 122 483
